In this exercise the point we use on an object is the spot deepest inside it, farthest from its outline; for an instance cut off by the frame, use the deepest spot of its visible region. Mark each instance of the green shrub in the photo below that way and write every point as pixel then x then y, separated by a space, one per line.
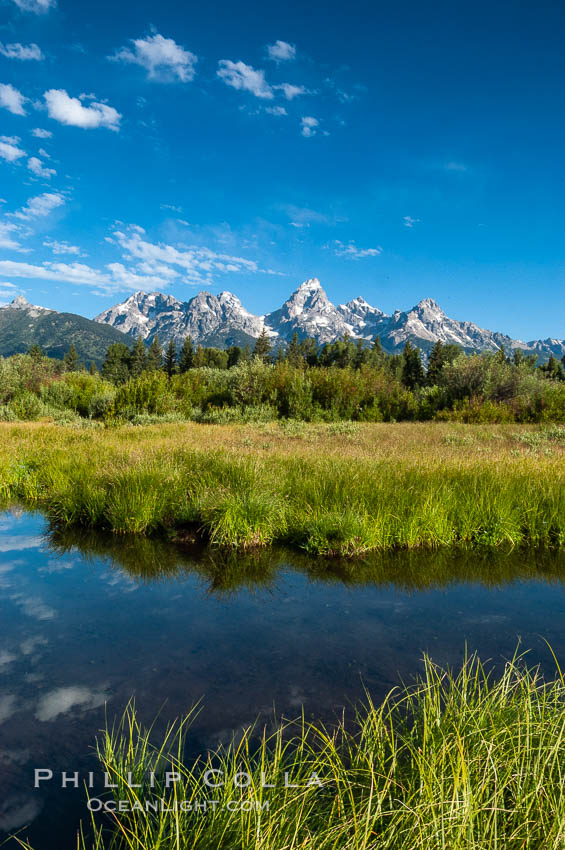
pixel 27 406
pixel 150 393
pixel 102 404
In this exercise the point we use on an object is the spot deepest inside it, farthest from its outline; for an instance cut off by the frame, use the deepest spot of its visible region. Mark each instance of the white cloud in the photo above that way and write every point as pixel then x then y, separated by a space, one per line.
pixel 281 51
pixel 34 606
pixel 37 6
pixel 290 91
pixel 408 221
pixel 41 134
pixel 455 166
pixel 21 51
pixel 162 58
pixel 305 216
pixel 36 167
pixel 197 262
pixel 6 658
pixel 70 111
pixel 62 247
pixel 62 700
pixel 146 265
pixel 276 110
pixel 14 543
pixel 308 126
pixel 7 707
pixel 243 77
pixel 28 646
pixel 40 206
pixel 8 231
pixel 11 99
pixel 7 295
pixel 353 252
pixel 118 278
pixel 9 149
pixel 18 810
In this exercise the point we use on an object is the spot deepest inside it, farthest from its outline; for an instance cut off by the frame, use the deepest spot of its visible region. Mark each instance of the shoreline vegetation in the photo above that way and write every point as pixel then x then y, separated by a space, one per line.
pixel 337 489
pixel 456 760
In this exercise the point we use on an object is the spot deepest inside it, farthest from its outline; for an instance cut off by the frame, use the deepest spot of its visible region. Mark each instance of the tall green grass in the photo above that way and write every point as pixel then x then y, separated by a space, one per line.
pixel 457 761
pixel 323 505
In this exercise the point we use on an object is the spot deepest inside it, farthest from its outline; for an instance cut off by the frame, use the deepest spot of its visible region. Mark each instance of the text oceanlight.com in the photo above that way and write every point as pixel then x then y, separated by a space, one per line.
pixel 196 807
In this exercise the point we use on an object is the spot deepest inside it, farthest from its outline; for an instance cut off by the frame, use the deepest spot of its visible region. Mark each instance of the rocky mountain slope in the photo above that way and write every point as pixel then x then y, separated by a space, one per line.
pixel 208 319
pixel 222 320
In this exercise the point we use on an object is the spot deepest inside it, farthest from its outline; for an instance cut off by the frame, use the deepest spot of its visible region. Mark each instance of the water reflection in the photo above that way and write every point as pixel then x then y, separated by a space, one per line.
pixel 150 560
pixel 88 620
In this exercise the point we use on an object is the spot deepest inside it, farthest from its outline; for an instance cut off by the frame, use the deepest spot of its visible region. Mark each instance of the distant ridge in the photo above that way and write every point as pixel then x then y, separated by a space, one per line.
pixel 23 324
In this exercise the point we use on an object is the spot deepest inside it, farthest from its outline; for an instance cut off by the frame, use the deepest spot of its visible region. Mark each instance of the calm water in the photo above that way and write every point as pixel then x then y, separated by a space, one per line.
pixel 90 620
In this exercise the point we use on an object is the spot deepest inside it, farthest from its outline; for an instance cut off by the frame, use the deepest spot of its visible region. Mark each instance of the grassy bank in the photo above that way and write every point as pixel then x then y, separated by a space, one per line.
pixel 337 489
pixel 457 762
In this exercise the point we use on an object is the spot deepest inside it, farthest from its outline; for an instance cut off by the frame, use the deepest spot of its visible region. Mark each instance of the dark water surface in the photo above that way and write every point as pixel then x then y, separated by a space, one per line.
pixel 88 621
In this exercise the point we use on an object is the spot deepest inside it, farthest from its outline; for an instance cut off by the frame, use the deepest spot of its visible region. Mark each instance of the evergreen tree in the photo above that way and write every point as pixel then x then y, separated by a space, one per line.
pixel 293 353
pixel 138 358
pixel 70 359
pixel 116 365
pixel 435 364
pixel 155 355
pixel 170 365
pixel 186 359
pixel 234 355
pixel 35 351
pixel 93 368
pixel 362 354
pixel 263 347
pixel 309 351
pixel 552 369
pixel 199 357
pixel 412 369
pixel 345 351
pixel 440 356
pixel 377 346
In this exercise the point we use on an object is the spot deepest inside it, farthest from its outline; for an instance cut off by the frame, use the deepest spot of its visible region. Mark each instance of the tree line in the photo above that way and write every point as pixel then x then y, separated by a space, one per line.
pixel 344 380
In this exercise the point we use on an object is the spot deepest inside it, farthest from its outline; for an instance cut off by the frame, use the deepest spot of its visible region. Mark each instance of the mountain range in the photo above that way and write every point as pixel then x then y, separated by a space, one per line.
pixel 221 320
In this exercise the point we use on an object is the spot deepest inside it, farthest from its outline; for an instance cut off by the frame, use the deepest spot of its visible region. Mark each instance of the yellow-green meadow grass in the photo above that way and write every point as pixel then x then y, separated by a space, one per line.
pixel 333 489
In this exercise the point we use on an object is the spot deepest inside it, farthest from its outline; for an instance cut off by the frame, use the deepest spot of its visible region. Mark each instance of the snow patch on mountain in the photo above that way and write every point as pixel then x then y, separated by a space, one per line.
pixel 21 303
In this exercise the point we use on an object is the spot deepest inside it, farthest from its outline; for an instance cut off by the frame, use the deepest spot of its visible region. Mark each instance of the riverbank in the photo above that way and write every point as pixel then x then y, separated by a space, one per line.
pixel 458 760
pixel 339 489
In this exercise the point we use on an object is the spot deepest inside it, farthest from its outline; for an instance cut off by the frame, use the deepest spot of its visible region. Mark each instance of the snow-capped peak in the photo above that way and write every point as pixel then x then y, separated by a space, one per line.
pixel 428 310
pixel 21 303
pixel 309 285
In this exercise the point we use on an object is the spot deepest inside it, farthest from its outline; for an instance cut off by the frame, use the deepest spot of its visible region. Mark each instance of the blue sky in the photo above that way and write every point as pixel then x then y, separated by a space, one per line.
pixel 395 151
